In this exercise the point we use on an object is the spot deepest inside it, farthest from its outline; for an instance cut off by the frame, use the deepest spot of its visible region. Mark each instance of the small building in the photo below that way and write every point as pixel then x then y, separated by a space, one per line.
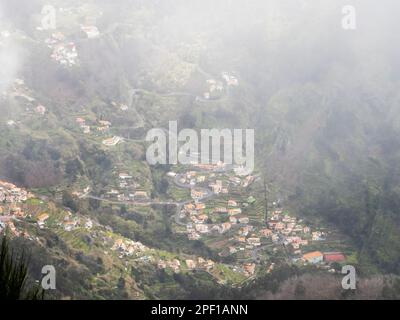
pixel 334 257
pixel 197 194
pixel 200 206
pixel 190 264
pixel 42 217
pixel 124 176
pixel 202 228
pixel 266 232
pixel 313 257
pixel 232 203
pixel 161 264
pixel 232 250
pixel 254 241
pixel 81 121
pixel 140 195
pixel 40 110
pixel 189 206
pixel 249 268
pixel 279 226
pixel 233 220
pixel 221 210
pixel 244 220
pixel 225 226
pixel 234 211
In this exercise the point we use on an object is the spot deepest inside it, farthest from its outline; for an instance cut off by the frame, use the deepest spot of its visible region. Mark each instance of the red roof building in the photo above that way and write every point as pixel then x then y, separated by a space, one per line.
pixel 334 257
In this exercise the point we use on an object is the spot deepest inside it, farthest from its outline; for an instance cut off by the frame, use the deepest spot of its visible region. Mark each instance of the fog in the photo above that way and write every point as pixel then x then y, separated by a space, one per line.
pixel 10 53
pixel 294 40
pixel 303 93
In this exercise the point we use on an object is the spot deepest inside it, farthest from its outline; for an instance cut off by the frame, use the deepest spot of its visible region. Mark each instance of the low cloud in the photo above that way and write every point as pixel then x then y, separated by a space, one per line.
pixel 10 54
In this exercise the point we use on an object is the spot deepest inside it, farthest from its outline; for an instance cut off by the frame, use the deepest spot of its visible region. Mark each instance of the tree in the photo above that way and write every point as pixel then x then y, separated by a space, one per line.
pixel 69 202
pixel 265 187
pixel 14 275
pixel 94 203
pixel 162 186
pixel 73 168
pixel 122 209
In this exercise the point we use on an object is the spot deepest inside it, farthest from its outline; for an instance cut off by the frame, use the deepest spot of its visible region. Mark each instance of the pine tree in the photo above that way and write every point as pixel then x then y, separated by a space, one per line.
pixel 14 275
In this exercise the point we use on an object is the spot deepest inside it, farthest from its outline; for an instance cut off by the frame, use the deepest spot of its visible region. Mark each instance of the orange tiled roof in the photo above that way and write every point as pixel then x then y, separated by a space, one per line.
pixel 311 255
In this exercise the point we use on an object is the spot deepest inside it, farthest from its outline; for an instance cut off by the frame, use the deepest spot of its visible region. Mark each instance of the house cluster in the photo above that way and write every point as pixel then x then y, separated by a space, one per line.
pixel 110 142
pixel 81 194
pixel 121 106
pixel 242 171
pixel 215 182
pixel 244 238
pixel 200 264
pixel 134 196
pixel 230 80
pixel 290 231
pixel 9 193
pixel 282 229
pixel 198 193
pixel 197 217
pixel 191 264
pixel 317 257
pixel 218 186
pixel 12 211
pixel 71 222
pixel 102 126
pixel 127 189
pixel 174 265
pixel 82 124
pixel 92 32
pixel 214 89
pixel 212 181
pixel 7 223
pixel 191 178
pixel 64 52
pixel 247 269
pixel 234 220
pixel 128 248
pixel 197 225
pixel 41 220
pixel 209 167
